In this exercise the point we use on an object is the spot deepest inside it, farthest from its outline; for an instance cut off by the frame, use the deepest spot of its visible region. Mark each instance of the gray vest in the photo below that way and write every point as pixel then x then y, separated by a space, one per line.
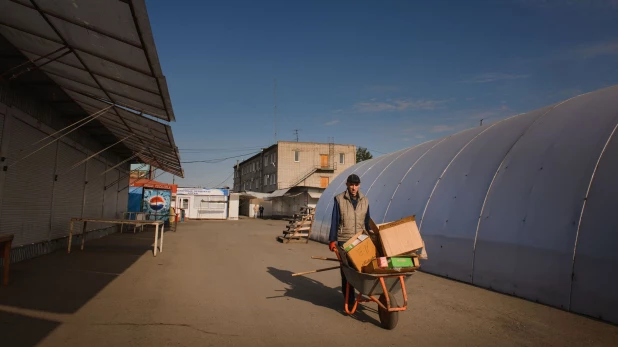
pixel 352 220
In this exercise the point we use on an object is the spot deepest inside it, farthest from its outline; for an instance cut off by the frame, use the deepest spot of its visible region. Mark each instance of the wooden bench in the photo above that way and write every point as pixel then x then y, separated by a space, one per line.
pixel 5 250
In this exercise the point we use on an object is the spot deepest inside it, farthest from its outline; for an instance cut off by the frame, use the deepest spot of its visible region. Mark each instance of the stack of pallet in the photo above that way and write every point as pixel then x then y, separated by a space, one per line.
pixel 299 227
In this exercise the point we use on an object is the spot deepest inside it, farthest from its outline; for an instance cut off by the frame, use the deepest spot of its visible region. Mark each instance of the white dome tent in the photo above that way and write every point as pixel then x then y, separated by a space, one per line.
pixel 524 206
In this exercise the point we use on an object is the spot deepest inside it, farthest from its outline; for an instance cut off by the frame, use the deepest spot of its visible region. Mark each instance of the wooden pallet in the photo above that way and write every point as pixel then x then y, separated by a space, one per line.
pixel 299 227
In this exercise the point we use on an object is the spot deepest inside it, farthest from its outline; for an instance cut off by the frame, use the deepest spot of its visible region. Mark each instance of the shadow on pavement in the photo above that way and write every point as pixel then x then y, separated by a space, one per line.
pixel 18 330
pixel 307 289
pixel 61 283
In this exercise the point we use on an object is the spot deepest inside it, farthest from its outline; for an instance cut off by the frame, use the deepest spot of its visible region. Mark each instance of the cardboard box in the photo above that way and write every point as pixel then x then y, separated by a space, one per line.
pixel 399 237
pixel 361 254
pixel 373 267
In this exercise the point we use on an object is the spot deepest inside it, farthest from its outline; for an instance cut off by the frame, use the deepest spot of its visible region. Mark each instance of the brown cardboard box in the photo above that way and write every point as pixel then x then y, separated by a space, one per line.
pixel 373 267
pixel 399 237
pixel 363 253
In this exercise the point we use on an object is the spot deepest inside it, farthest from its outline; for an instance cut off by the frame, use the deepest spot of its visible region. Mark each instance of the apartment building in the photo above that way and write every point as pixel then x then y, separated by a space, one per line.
pixel 290 164
pixel 291 174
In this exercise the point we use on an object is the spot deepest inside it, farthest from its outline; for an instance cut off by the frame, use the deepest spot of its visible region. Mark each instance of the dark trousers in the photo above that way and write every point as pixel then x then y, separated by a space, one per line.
pixel 351 297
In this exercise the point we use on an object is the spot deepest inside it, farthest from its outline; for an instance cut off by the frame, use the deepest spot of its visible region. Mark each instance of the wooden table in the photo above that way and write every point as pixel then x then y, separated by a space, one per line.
pixel 138 216
pixel 156 223
pixel 5 250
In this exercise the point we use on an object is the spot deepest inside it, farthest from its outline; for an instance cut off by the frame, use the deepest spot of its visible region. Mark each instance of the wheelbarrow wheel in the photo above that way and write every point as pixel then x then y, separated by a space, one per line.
pixel 388 320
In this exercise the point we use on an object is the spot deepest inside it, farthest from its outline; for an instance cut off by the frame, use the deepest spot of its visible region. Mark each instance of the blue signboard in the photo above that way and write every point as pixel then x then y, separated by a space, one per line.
pixel 157 203
pixel 135 200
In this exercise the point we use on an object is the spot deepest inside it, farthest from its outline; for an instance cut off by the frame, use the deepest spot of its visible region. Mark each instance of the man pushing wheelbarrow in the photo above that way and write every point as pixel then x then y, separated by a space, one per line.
pixel 350 216
pixel 374 259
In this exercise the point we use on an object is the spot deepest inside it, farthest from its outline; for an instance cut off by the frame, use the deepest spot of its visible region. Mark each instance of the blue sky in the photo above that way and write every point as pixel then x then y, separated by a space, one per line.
pixel 385 75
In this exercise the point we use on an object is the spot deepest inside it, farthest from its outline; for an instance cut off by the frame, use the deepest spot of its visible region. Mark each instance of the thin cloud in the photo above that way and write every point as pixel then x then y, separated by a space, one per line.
pixel 382 88
pixel 593 4
pixel 333 122
pixel 565 93
pixel 419 136
pixel 498 112
pixel 493 77
pixel 442 128
pixel 596 50
pixel 399 105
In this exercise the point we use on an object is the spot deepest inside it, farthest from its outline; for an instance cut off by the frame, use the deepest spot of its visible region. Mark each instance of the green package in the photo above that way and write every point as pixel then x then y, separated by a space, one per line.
pixel 399 262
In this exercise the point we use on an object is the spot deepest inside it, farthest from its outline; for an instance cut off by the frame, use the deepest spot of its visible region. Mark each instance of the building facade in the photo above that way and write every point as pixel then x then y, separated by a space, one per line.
pixel 289 164
pixel 39 194
pixel 289 175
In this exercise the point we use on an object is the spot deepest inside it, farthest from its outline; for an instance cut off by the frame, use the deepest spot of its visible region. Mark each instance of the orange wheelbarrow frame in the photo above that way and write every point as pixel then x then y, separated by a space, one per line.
pixel 370 296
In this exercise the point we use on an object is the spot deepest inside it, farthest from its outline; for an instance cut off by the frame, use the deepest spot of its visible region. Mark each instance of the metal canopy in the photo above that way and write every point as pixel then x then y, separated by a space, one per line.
pixel 151 141
pixel 315 195
pixel 278 193
pixel 100 53
pixel 253 195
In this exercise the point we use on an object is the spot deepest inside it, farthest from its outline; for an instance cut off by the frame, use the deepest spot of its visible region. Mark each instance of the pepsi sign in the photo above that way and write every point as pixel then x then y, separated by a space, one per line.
pixel 157 203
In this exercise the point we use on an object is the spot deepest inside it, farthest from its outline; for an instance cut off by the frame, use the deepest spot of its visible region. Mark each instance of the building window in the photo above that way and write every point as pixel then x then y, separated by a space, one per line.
pixel 273 179
pixel 266 161
pixel 296 156
pixel 266 180
pixel 341 158
pixel 324 181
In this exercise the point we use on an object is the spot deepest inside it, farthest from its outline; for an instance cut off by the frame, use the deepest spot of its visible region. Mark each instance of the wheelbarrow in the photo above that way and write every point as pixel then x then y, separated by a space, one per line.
pixel 372 287
pixel 378 288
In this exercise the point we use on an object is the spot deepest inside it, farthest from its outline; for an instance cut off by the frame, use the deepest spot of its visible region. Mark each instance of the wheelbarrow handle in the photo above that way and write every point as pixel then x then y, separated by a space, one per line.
pixel 337 254
pixel 314 271
pixel 324 258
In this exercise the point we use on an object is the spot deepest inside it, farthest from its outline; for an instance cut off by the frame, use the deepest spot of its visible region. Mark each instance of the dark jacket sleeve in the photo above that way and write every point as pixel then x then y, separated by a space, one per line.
pixel 334 223
pixel 367 220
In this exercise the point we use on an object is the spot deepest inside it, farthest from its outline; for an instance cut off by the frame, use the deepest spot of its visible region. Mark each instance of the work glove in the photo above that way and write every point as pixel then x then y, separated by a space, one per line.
pixel 331 246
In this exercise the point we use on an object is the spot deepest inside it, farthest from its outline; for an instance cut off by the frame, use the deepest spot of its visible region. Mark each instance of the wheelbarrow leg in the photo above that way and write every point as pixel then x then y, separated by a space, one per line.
pixel 347 297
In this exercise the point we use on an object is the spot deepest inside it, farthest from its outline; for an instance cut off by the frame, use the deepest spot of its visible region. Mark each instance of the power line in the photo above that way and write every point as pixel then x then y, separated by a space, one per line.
pixel 373 150
pixel 237 149
pixel 218 174
pixel 225 180
pixel 217 160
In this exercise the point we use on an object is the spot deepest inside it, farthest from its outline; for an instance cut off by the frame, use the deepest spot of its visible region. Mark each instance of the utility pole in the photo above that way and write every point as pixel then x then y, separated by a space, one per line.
pixel 481 122
pixel 296 133
pixel 237 176
pixel 275 107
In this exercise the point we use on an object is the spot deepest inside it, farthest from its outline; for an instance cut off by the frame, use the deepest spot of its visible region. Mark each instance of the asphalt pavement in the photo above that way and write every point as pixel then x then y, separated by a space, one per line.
pixel 229 283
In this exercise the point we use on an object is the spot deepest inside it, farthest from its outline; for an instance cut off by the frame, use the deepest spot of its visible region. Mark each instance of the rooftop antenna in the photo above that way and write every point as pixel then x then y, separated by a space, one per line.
pixel 275 107
pixel 296 133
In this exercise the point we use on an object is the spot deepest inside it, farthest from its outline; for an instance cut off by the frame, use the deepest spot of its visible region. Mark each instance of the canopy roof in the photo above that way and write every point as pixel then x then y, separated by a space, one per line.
pixel 100 54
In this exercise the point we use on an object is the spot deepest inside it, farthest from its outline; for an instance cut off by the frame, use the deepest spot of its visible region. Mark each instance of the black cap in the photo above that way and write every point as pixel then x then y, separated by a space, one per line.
pixel 353 178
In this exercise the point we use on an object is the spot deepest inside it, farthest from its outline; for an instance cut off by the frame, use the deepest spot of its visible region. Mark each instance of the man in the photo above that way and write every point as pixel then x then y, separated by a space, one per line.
pixel 261 211
pixel 350 216
pixel 255 210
